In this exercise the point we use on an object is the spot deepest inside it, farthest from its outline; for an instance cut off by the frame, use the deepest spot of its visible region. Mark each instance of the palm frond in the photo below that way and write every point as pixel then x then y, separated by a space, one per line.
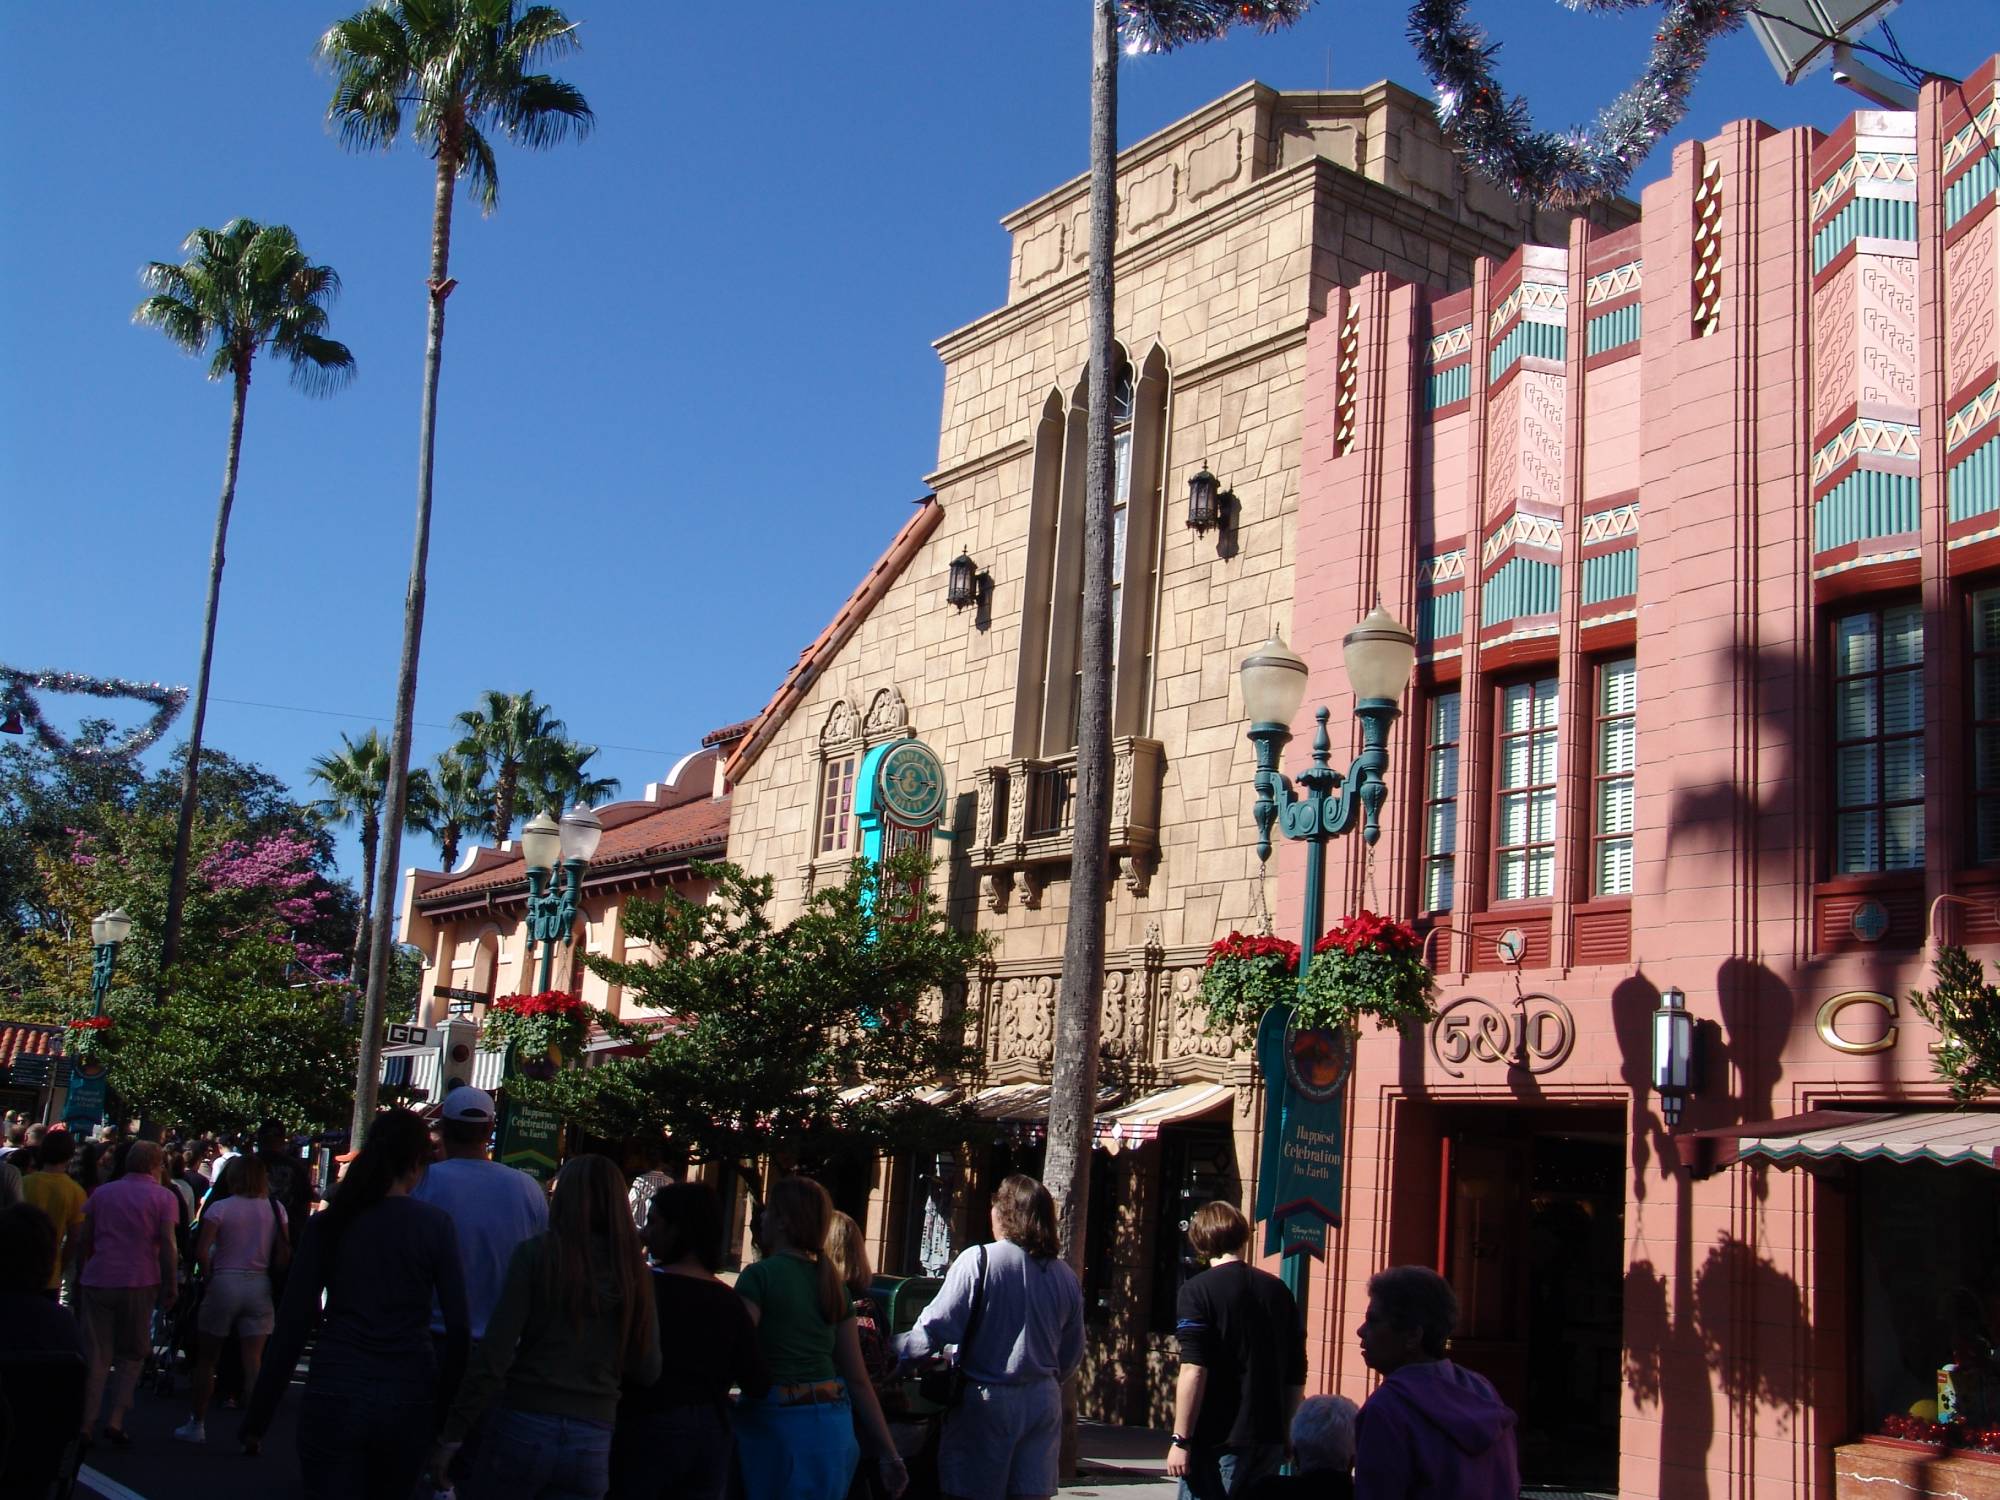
pixel 540 111
pixel 369 54
pixel 541 31
pixel 320 366
pixel 183 324
pixel 481 172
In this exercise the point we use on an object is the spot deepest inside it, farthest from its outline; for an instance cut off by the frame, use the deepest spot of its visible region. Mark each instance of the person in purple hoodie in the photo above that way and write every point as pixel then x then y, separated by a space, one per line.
pixel 1431 1431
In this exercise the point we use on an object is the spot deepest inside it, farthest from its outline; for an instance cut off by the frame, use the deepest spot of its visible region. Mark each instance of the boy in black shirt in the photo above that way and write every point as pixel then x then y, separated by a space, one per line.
pixel 1243 1365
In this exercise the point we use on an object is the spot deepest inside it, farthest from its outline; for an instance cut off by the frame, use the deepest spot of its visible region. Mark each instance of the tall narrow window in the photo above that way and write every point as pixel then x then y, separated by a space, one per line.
pixel 1617 744
pixel 1525 851
pixel 1878 728
pixel 1985 720
pixel 1441 802
pixel 1121 515
pixel 836 804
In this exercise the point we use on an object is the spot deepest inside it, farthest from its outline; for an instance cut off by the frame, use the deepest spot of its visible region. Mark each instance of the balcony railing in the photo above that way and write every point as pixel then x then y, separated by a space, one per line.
pixel 1026 812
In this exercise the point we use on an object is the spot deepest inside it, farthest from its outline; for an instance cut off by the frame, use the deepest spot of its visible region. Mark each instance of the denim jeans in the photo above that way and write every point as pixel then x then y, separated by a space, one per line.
pixel 369 1446
pixel 679 1453
pixel 801 1451
pixel 1220 1473
pixel 529 1455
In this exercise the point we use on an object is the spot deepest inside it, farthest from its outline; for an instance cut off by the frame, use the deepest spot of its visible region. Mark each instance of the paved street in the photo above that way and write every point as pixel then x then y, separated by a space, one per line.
pixel 1117 1464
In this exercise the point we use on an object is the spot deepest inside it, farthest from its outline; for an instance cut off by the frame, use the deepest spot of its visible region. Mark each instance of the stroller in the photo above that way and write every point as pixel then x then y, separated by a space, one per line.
pixel 173 1339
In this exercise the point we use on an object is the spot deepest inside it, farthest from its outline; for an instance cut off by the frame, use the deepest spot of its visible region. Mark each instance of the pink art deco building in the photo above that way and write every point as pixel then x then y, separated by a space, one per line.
pixel 1699 520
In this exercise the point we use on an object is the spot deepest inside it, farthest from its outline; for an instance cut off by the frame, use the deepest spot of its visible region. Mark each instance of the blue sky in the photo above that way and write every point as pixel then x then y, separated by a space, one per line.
pixel 688 389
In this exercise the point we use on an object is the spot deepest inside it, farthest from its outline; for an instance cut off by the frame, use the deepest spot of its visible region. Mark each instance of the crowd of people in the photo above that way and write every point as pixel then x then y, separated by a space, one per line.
pixel 474 1335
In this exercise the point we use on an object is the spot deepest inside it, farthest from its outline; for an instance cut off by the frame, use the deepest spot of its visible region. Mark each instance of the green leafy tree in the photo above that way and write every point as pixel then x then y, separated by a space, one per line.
pixel 455 71
pixel 356 778
pixel 460 801
pixel 1965 1009
pixel 245 289
pixel 771 1029
pixel 561 777
pixel 511 737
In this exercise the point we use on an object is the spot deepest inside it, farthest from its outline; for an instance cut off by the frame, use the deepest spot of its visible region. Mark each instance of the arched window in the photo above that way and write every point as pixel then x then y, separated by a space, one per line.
pixel 1051 677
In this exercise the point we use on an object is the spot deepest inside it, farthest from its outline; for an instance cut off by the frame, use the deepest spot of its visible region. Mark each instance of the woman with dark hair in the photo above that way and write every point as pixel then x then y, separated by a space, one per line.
pixel 798 1442
pixel 1015 1310
pixel 675 1439
pixel 574 1317
pixel 376 1393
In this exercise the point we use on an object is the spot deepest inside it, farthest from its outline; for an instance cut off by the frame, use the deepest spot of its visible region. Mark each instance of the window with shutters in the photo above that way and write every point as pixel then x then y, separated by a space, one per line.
pixel 1441 801
pixel 1524 852
pixel 1616 735
pixel 1984 717
pixel 1878 739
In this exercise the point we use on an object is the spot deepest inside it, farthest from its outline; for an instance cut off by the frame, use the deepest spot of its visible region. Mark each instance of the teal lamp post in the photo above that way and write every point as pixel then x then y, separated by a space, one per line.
pixel 553 895
pixel 1317 807
pixel 107 930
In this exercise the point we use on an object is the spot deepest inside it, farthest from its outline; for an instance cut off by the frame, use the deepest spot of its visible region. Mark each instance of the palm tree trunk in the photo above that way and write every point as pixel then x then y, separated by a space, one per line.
pixel 170 938
pixel 357 964
pixel 1073 1086
pixel 368 1066
pixel 504 786
pixel 448 846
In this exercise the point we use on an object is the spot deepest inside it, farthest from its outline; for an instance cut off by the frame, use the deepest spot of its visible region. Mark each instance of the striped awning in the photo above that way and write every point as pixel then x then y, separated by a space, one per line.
pixel 937 1097
pixel 1026 1103
pixel 1949 1138
pixel 1142 1118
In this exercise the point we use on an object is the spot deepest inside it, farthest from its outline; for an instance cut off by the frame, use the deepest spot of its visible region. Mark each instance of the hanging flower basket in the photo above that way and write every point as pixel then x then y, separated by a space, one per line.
pixel 1245 976
pixel 1965 1009
pixel 1366 966
pixel 547 1027
pixel 90 1041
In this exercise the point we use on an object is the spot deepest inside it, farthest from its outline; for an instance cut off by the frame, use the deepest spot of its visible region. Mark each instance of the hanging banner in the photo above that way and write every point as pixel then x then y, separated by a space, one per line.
pixel 84 1107
pixel 1303 1151
pixel 530 1139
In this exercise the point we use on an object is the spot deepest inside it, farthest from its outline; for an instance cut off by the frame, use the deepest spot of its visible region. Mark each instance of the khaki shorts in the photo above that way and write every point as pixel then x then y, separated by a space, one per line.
pixel 119 1321
pixel 237 1302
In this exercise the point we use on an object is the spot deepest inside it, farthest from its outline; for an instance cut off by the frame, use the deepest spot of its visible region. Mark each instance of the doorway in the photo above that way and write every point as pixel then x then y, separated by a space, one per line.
pixel 1534 1245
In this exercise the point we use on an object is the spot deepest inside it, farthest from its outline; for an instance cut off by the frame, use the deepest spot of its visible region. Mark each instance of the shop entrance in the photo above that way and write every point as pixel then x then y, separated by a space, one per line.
pixel 1534 1245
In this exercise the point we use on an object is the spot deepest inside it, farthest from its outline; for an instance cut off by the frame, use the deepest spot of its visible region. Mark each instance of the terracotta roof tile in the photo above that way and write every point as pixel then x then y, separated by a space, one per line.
pixel 729 732
pixel 634 833
pixel 874 584
pixel 24 1037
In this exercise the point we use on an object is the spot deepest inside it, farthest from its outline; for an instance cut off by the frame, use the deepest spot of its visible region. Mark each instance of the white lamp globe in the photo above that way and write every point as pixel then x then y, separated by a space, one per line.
pixel 1274 682
pixel 541 842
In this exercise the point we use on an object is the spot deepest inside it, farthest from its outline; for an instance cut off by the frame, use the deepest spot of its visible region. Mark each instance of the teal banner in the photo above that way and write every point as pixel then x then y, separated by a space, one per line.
pixel 531 1139
pixel 85 1105
pixel 1302 1155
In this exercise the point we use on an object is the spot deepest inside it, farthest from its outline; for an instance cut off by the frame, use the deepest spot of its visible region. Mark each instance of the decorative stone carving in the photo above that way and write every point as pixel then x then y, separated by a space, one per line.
pixel 1188 1034
pixel 1042 253
pixel 887 713
pixel 842 726
pixel 1215 163
pixel 1114 1032
pixel 1151 196
pixel 997 885
pixel 1030 833
pixel 1024 1019
pixel 1970 267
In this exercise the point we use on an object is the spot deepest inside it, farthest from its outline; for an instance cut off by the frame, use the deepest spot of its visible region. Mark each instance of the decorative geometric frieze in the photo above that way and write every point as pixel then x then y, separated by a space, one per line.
pixel 1609 525
pixel 1523 586
pixel 1446 567
pixel 1542 533
pixel 1452 341
pixel 1615 282
pixel 1868 437
pixel 1865 170
pixel 1529 297
pixel 1977 185
pixel 1527 341
pixel 1612 330
pixel 1707 288
pixel 1868 503
pixel 1972 416
pixel 1447 386
pixel 1348 379
pixel 1984 128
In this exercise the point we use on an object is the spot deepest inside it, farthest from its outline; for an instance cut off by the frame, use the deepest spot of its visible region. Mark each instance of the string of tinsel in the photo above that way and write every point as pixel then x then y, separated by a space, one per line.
pixel 15 697
pixel 1491 129
pixel 1162 25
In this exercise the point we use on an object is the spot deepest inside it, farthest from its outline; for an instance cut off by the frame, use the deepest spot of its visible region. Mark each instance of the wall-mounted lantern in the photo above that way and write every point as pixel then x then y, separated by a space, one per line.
pixel 966 584
pixel 1208 503
pixel 1673 1053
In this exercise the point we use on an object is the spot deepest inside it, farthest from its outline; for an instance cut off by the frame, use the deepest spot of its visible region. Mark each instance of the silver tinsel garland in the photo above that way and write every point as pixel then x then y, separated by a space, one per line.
pixel 1491 129
pixel 15 698
pixel 1162 25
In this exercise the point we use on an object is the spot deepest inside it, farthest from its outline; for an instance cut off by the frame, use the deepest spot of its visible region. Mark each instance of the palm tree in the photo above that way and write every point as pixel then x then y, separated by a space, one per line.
pixel 356 777
pixel 243 290
pixel 460 799
pixel 508 735
pixel 560 777
pixel 463 69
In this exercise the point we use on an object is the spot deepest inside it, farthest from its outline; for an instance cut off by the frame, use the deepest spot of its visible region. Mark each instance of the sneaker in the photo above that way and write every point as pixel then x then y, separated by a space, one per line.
pixel 192 1431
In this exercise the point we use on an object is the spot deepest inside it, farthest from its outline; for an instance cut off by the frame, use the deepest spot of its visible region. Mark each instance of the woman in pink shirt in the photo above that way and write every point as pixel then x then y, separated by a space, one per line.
pixel 242 1241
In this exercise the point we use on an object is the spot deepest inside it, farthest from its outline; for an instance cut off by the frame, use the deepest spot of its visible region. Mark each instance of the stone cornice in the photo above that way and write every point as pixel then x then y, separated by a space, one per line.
pixel 971 468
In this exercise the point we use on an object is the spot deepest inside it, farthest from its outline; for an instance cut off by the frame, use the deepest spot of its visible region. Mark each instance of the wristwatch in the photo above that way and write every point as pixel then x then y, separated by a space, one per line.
pixel 1178 1441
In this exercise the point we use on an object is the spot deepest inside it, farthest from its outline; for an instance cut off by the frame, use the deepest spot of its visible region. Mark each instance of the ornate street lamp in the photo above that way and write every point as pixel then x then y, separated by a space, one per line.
pixel 1208 502
pixel 552 907
pixel 1673 1053
pixel 1380 655
pixel 107 930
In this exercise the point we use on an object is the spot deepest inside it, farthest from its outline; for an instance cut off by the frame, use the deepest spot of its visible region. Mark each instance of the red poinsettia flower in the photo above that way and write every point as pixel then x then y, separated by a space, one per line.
pixel 90 1023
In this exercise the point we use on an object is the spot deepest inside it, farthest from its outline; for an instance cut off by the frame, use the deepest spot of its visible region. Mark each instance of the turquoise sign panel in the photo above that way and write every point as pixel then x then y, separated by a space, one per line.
pixel 1303 1150
pixel 531 1139
pixel 85 1105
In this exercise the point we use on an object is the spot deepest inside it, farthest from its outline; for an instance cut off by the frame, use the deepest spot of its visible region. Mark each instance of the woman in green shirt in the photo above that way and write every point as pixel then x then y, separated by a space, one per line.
pixel 798 1442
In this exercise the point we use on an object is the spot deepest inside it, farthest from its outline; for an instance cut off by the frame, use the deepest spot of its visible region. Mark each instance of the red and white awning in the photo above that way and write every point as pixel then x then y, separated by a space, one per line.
pixel 1142 1119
